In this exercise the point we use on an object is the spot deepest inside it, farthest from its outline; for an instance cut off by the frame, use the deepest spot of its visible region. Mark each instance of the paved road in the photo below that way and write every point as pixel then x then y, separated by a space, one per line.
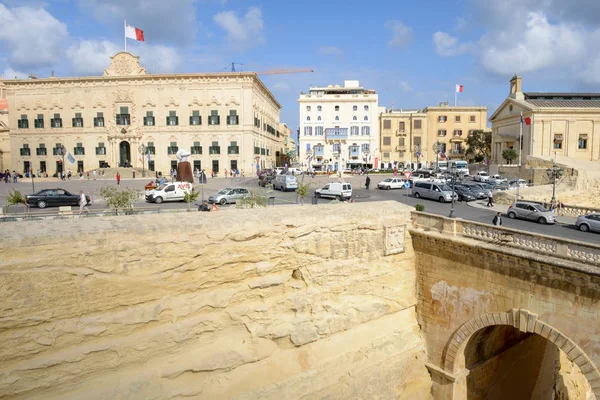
pixel 361 195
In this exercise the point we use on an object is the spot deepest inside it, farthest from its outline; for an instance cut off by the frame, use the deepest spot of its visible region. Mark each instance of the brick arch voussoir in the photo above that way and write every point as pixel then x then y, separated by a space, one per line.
pixel 524 321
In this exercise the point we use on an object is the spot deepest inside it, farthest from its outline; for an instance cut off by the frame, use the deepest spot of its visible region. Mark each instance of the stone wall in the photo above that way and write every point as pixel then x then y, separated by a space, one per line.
pixel 279 303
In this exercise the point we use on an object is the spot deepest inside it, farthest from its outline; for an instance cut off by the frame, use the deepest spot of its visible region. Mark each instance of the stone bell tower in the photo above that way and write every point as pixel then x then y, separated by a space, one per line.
pixel 516 91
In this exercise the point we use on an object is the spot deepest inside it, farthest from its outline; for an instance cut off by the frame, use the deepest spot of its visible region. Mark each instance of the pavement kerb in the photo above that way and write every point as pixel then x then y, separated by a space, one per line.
pixel 481 204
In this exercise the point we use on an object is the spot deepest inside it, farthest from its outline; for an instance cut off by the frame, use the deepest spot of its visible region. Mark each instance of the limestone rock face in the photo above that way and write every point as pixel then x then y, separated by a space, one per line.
pixel 278 303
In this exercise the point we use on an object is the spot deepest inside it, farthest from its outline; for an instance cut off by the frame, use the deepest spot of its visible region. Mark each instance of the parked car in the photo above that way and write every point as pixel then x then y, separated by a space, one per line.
pixel 336 190
pixel 391 183
pixel 497 179
pixel 433 191
pixel 265 180
pixel 54 198
pixel 481 176
pixel 464 194
pixel 174 191
pixel 588 223
pixel 477 190
pixel 521 183
pixel 228 195
pixel 531 211
pixel 285 182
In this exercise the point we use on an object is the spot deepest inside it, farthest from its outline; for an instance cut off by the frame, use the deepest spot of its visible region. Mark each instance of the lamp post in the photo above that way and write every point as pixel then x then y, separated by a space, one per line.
pixel 453 183
pixel 309 154
pixel 63 151
pixel 142 150
pixel 554 173
pixel 437 147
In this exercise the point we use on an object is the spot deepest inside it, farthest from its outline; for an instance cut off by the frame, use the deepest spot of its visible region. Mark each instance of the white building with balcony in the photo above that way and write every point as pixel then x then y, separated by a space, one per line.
pixel 339 128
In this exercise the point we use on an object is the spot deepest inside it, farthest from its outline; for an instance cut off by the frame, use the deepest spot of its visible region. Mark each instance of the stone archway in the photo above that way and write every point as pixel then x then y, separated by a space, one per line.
pixel 453 360
pixel 124 154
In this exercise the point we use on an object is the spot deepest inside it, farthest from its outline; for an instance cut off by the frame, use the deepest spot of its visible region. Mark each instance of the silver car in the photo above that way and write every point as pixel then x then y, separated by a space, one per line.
pixel 531 211
pixel 228 195
pixel 588 223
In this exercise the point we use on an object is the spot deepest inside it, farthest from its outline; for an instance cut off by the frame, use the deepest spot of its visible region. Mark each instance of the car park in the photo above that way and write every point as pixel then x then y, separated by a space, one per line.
pixel 481 176
pixel 434 191
pixel 285 182
pixel 391 183
pixel 464 194
pixel 589 222
pixel 336 190
pixel 174 191
pixel 497 179
pixel 54 198
pixel 531 211
pixel 228 195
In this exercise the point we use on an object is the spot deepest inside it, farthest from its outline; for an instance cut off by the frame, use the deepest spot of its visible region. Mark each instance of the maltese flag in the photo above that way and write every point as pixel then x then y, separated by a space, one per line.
pixel 134 33
pixel 460 88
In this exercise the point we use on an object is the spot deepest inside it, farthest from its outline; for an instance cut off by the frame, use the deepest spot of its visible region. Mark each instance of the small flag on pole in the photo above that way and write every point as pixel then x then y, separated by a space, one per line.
pixel 71 158
pixel 149 156
pixel 134 33
pixel 460 88
pixel 526 120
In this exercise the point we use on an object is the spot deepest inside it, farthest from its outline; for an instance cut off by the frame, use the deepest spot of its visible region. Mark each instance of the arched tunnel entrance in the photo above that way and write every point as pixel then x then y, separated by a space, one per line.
pixel 506 363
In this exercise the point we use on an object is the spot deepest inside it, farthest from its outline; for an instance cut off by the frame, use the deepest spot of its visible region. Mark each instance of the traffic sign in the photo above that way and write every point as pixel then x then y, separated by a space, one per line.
pixel 407 185
pixel 407 175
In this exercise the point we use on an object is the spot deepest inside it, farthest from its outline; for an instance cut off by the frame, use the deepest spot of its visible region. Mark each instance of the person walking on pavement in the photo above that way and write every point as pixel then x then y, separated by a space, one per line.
pixel 497 221
pixel 490 197
pixel 367 182
pixel 82 203
pixel 118 179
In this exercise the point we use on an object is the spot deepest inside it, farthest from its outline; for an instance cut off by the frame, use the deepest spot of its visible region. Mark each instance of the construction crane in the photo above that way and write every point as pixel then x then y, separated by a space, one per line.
pixel 285 71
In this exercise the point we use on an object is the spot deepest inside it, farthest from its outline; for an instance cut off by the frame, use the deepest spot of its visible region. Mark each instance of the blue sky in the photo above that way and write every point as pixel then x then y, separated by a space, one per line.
pixel 412 53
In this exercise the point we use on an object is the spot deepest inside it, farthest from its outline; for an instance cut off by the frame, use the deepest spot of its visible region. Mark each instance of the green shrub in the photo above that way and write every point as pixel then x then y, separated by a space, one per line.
pixel 119 199
pixel 256 199
pixel 420 207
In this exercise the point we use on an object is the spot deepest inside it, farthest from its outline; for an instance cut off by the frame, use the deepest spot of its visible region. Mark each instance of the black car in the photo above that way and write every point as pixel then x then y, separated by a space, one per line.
pixel 54 198
pixel 464 194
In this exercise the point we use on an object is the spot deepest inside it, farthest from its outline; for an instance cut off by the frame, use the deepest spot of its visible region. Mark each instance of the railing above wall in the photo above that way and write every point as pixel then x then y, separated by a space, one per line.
pixel 545 245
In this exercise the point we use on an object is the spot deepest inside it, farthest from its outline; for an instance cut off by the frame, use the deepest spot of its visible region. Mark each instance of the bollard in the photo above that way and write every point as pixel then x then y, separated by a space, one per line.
pixel 315 200
pixel 133 174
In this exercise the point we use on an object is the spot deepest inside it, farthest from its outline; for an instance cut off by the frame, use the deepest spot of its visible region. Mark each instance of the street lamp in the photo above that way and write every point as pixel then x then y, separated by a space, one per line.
pixel 437 147
pixel 309 154
pixel 453 170
pixel 62 152
pixel 554 173
pixel 142 150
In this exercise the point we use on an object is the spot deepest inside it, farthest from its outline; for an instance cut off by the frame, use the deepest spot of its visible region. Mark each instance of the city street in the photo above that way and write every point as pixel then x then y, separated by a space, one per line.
pixel 361 195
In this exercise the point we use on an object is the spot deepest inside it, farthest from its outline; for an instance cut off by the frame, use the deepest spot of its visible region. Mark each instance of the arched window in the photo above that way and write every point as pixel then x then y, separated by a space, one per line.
pixel 354 118
pixel 318 118
pixel 337 118
pixel 308 118
pixel 366 118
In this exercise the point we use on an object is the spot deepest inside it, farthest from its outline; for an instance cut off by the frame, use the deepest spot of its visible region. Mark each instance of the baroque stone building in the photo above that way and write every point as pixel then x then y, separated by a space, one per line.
pixel 226 120
pixel 4 138
pixel 408 136
pixel 562 124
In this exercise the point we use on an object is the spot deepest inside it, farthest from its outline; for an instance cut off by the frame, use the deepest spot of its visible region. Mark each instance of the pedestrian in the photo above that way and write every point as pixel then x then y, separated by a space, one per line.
pixel 88 175
pixel 204 206
pixel 490 197
pixel 242 173
pixel 82 202
pixel 225 172
pixel 69 175
pixel 94 173
pixel 560 207
pixel 497 221
pixel 15 176
pixel 368 182
pixel 118 178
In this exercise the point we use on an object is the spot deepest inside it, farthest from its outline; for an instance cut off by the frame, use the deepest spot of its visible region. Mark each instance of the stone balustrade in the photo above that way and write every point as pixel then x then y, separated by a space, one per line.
pixel 565 249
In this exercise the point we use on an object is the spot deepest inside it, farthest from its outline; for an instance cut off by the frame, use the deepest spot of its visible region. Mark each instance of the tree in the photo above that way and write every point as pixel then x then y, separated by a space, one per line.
pixel 256 199
pixel 188 197
pixel 509 155
pixel 302 191
pixel 15 197
pixel 119 199
pixel 479 146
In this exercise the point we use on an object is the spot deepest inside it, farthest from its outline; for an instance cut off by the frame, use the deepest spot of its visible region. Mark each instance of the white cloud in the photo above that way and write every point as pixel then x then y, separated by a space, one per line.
pixel 537 45
pixel 331 51
pixel 242 33
pixel 162 21
pixel 402 35
pixel 32 36
pixel 447 46
pixel 10 73
pixel 91 57
pixel 461 23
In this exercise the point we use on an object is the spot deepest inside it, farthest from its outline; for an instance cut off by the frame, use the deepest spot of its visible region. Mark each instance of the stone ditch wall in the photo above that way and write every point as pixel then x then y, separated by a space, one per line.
pixel 278 303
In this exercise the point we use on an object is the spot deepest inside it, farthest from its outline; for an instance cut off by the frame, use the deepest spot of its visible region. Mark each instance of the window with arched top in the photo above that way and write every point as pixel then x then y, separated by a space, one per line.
pixel 354 118
pixel 308 118
pixel 337 118
pixel 354 108
pixel 318 118
pixel 319 108
pixel 366 118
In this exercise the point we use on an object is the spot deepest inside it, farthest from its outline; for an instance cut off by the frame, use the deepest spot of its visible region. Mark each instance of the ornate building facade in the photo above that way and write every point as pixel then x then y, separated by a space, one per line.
pixel 562 124
pixel 226 120
pixel 4 137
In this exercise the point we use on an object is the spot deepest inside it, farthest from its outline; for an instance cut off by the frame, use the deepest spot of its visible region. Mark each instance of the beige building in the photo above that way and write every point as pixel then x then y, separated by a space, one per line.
pixel 409 136
pixel 287 152
pixel 226 120
pixel 562 124
pixel 4 138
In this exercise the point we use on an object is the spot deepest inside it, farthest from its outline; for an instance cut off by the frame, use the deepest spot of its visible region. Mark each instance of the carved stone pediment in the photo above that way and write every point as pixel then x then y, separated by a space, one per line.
pixel 39 106
pixel 148 103
pixel 124 64
pixel 214 101
pixel 56 105
pixel 232 100
pixel 123 96
pixel 99 104
pixel 195 101
pixel 172 102
pixel 22 107
pixel 77 105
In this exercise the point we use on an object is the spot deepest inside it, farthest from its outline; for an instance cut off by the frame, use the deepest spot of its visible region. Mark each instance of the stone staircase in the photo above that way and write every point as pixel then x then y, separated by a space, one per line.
pixel 126 173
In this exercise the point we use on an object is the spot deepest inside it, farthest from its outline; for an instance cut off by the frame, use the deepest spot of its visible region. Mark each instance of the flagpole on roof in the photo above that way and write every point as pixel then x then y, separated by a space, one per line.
pixel 455 95
pixel 125 34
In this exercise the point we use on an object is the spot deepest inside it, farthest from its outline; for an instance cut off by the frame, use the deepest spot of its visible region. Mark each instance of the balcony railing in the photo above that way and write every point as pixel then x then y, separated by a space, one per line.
pixel 319 151
pixel 336 133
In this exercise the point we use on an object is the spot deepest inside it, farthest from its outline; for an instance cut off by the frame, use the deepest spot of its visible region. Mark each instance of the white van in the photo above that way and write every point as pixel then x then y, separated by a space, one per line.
pixel 174 191
pixel 285 182
pixel 336 190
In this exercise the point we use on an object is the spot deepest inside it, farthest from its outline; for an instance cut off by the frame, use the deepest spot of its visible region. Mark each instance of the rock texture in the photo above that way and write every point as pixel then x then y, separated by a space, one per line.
pixel 279 303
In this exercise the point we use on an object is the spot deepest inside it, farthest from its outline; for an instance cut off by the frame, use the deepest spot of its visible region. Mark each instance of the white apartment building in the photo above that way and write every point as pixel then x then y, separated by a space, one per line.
pixel 339 128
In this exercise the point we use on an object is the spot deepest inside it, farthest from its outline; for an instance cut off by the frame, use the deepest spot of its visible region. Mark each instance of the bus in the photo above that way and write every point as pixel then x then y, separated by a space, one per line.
pixel 462 167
